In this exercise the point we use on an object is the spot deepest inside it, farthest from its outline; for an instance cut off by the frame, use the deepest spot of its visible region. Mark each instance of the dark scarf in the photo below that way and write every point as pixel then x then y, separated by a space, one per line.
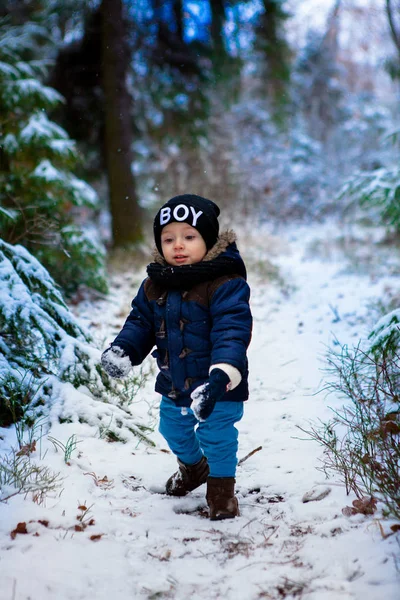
pixel 184 277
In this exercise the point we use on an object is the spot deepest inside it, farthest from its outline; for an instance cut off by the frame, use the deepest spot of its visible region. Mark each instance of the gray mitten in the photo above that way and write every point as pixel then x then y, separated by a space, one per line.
pixel 116 362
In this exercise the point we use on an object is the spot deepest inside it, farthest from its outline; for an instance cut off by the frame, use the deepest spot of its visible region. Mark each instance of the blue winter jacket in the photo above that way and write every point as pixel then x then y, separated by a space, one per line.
pixel 208 324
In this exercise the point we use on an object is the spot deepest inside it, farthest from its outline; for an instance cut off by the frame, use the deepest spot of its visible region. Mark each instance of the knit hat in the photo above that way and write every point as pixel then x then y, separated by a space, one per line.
pixel 200 213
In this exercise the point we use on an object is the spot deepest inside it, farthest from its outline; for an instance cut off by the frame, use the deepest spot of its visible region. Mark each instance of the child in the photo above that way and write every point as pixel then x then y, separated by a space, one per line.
pixel 194 307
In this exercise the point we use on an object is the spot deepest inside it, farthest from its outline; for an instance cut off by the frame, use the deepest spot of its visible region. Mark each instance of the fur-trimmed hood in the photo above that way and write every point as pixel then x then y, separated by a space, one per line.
pixel 225 239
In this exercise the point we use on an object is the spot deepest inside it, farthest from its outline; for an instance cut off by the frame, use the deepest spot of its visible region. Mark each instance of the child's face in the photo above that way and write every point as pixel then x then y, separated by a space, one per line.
pixel 182 244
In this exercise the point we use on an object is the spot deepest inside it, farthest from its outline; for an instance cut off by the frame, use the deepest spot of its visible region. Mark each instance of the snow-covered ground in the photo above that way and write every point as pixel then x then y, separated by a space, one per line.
pixel 134 543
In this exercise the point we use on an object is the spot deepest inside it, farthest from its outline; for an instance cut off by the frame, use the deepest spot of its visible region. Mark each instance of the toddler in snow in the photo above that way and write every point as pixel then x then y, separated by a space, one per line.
pixel 194 307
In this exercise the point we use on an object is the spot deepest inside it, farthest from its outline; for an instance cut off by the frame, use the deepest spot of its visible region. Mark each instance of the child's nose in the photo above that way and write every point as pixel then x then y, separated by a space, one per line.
pixel 178 243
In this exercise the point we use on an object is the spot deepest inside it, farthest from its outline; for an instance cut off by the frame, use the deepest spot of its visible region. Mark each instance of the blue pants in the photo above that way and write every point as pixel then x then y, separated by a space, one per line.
pixel 216 438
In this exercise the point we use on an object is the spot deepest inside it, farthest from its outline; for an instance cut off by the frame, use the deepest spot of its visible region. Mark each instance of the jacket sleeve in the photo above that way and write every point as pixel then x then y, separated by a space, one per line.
pixel 231 324
pixel 137 336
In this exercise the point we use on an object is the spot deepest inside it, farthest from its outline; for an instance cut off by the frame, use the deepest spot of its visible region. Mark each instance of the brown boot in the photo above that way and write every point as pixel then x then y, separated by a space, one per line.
pixel 221 498
pixel 187 478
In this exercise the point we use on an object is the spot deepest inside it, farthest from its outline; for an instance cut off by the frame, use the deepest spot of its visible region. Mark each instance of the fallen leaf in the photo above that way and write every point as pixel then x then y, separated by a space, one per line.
pixel 104 482
pixel 27 449
pixel 20 528
pixel 96 537
pixel 43 522
pixel 365 505
pixel 349 511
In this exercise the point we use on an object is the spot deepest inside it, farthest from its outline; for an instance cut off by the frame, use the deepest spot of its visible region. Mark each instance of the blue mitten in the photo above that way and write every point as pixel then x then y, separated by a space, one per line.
pixel 205 396
pixel 116 362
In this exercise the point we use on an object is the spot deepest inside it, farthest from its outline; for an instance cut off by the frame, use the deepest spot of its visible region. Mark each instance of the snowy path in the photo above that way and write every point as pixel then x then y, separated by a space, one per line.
pixel 154 547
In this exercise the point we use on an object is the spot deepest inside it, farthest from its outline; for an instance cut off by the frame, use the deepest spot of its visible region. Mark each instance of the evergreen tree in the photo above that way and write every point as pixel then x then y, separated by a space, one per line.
pixel 40 198
pixel 46 356
pixel 41 342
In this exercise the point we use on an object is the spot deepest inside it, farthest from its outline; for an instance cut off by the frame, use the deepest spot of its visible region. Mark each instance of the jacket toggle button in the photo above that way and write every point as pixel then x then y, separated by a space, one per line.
pixel 185 352
pixel 182 323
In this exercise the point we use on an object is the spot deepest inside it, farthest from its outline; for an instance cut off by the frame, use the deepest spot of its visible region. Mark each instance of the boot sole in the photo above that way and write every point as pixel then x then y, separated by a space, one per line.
pixel 223 516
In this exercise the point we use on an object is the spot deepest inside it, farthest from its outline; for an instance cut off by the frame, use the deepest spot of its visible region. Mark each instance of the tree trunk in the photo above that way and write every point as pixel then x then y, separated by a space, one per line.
pixel 276 52
pixel 178 12
pixel 395 33
pixel 125 210
pixel 217 24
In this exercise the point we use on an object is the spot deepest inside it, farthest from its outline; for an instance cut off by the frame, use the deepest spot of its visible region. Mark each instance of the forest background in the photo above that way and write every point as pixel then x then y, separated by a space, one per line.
pixel 281 111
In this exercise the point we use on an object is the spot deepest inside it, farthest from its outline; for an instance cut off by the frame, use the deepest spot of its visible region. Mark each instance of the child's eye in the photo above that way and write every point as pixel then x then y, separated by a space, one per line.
pixel 167 240
pixel 190 237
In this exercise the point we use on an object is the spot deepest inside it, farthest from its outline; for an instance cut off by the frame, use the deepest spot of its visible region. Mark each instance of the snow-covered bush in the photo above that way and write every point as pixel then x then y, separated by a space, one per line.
pixel 378 192
pixel 40 338
pixel 375 186
pixel 386 334
pixel 46 357
pixel 41 201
